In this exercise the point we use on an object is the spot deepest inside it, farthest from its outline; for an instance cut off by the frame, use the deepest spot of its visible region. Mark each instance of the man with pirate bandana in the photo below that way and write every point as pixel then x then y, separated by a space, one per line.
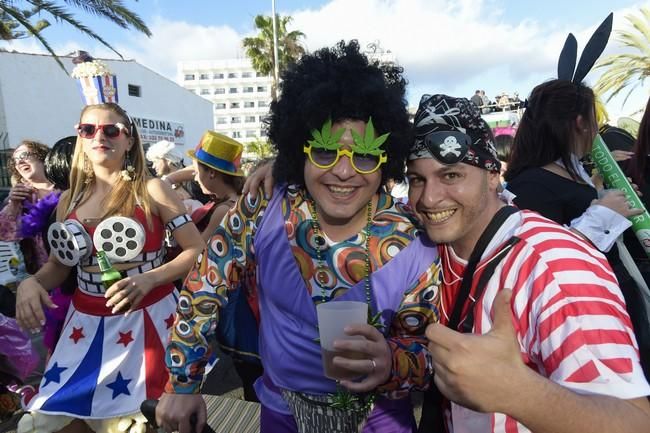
pixel 537 337
pixel 328 234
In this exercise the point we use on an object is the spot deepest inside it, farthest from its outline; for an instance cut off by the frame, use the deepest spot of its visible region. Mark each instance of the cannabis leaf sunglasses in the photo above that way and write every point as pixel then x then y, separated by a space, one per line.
pixel 366 156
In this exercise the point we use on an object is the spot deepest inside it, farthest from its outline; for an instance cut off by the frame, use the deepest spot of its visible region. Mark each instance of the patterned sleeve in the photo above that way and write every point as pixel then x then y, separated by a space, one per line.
pixel 215 276
pixel 9 225
pixel 412 366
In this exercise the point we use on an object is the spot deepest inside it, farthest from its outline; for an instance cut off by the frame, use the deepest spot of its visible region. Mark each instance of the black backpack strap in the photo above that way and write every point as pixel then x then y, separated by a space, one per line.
pixel 475 257
pixel 432 420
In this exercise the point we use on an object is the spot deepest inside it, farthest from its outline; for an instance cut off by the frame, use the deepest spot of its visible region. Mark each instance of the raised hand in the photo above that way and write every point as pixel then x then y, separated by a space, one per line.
pixel 263 175
pixel 481 372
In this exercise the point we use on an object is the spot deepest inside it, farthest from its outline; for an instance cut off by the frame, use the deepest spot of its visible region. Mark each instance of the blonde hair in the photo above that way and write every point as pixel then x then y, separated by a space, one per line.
pixel 601 112
pixel 125 194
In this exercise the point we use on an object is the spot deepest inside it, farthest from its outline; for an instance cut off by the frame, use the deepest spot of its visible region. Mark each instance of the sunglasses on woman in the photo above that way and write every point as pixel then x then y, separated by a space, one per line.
pixel 361 162
pixel 110 130
pixel 24 156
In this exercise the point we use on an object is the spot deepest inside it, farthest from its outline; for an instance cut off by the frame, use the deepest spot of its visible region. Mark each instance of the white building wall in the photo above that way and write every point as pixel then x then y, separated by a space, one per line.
pixel 240 96
pixel 40 102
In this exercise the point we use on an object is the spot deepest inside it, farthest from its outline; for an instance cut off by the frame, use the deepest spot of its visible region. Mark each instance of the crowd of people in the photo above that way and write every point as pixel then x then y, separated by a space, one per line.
pixel 502 102
pixel 508 308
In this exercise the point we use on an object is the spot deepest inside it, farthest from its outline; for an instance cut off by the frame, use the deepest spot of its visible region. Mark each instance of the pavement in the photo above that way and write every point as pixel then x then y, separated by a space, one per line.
pixel 222 380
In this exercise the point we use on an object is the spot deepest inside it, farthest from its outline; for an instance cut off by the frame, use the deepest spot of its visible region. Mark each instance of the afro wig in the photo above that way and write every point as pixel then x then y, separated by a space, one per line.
pixel 338 83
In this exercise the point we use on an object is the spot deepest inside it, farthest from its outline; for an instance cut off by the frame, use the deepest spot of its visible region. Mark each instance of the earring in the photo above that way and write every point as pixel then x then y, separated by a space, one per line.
pixel 128 173
pixel 87 168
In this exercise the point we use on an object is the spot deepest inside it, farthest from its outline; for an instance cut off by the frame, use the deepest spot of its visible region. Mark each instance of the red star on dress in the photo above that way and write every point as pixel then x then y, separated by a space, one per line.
pixel 125 338
pixel 77 334
pixel 170 321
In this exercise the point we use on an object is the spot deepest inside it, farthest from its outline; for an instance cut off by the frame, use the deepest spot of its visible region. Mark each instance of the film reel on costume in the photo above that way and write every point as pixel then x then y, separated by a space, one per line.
pixel 69 241
pixel 121 238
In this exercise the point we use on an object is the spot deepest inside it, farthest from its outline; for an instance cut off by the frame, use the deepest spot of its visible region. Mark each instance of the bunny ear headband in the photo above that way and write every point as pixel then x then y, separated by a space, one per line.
pixel 593 50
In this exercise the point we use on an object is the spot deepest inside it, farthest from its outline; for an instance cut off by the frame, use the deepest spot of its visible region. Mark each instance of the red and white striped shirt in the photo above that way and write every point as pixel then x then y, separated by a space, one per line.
pixel 572 323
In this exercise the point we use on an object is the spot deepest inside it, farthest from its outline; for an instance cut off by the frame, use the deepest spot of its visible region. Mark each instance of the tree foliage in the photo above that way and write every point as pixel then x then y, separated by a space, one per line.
pixel 28 18
pixel 261 148
pixel 259 49
pixel 627 70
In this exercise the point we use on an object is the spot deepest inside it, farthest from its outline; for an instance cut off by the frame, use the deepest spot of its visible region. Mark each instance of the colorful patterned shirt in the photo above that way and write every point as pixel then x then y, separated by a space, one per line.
pixel 227 267
pixel 570 314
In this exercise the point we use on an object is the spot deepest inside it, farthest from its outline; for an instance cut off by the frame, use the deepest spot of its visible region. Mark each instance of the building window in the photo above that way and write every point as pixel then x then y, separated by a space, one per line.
pixel 261 88
pixel 232 90
pixel 262 118
pixel 246 74
pixel 232 75
pixel 262 133
pixel 134 90
pixel 248 89
pixel 250 134
pixel 262 104
pixel 219 91
pixel 189 77
pixel 234 105
pixel 217 76
pixel 235 119
pixel 204 77
pixel 259 74
pixel 249 119
pixel 236 134
pixel 222 120
pixel 220 106
pixel 249 104
pixel 205 91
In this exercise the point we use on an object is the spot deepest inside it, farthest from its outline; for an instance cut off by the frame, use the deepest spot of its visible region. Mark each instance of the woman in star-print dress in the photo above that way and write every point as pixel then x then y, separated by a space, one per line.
pixel 107 362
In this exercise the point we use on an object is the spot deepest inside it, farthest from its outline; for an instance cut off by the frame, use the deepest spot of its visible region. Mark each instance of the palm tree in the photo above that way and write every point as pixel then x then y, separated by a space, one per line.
pixel 16 19
pixel 259 49
pixel 627 69
pixel 261 148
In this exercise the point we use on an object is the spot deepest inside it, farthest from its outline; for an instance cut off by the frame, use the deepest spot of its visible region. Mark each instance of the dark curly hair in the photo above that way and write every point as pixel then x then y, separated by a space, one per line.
pixel 338 83
pixel 58 161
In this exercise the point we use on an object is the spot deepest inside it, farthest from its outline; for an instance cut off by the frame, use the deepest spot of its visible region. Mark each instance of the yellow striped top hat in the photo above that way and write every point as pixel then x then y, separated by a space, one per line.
pixel 219 152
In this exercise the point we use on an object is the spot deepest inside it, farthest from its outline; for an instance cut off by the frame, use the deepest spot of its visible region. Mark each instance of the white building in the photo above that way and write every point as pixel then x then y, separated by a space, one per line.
pixel 39 101
pixel 240 96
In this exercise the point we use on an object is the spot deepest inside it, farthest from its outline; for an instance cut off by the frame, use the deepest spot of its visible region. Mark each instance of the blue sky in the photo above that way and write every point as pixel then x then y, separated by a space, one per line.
pixel 445 46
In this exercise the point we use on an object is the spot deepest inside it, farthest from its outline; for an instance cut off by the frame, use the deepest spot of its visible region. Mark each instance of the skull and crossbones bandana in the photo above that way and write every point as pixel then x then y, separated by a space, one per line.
pixel 451 130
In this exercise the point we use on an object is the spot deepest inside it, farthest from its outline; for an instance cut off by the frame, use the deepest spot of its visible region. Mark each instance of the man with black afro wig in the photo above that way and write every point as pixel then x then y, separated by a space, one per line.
pixel 338 83
pixel 329 233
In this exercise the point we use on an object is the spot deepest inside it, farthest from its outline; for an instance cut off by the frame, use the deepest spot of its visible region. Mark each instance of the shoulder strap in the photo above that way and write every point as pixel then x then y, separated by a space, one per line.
pixel 466 285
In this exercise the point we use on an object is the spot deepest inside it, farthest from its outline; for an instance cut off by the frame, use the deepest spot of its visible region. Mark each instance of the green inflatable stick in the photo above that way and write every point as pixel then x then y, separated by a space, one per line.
pixel 615 178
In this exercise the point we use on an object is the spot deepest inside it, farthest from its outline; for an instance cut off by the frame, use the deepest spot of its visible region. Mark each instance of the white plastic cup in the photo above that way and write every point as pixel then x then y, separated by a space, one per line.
pixel 333 317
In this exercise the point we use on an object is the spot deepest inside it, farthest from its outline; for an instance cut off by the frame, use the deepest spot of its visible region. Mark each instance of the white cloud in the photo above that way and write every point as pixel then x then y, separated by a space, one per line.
pixel 175 41
pixel 451 46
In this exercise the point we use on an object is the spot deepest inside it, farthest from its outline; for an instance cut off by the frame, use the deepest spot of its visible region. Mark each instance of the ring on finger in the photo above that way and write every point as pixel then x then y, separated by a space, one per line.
pixel 373 365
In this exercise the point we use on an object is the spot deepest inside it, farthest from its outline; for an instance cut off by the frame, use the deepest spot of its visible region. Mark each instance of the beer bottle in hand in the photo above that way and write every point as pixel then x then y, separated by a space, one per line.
pixel 110 275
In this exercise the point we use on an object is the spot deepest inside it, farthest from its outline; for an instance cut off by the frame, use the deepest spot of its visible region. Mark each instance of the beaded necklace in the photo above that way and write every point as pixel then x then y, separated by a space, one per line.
pixel 321 246
pixel 343 399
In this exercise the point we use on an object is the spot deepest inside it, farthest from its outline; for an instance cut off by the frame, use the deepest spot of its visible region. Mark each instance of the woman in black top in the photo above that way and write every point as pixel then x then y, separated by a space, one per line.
pixel 545 173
